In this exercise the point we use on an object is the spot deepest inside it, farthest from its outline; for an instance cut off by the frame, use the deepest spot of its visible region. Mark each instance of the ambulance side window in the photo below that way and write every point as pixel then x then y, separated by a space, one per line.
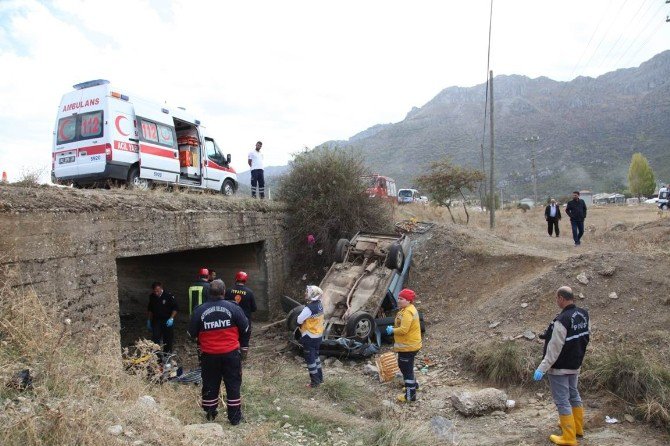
pixel 212 152
pixel 90 125
pixel 166 135
pixel 149 131
pixel 67 129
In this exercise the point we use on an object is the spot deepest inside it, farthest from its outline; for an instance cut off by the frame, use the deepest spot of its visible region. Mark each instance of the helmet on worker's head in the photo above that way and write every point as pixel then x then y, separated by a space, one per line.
pixel 241 276
pixel 204 272
pixel 407 294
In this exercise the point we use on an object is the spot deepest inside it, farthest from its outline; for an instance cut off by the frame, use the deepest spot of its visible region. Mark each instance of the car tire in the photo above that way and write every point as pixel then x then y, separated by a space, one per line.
pixel 341 250
pixel 395 258
pixel 292 318
pixel 228 187
pixel 134 180
pixel 360 326
pixel 664 207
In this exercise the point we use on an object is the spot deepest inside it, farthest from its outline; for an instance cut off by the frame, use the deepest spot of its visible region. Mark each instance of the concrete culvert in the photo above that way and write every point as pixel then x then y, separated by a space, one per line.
pixel 177 271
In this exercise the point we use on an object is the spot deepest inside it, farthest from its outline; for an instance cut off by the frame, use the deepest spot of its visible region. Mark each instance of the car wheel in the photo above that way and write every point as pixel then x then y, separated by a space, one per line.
pixel 134 180
pixel 228 187
pixel 292 318
pixel 360 326
pixel 664 207
pixel 395 258
pixel 341 250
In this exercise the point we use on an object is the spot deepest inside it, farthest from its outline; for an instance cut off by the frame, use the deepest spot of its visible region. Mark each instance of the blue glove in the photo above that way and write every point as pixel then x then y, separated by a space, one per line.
pixel 149 324
pixel 389 330
pixel 169 323
pixel 537 375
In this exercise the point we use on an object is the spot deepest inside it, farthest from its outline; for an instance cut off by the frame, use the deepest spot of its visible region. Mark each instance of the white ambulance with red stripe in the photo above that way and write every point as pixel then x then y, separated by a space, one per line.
pixel 103 134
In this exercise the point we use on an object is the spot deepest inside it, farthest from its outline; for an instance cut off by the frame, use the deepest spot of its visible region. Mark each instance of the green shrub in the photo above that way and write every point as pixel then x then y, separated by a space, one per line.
pixel 633 378
pixel 325 195
pixel 500 363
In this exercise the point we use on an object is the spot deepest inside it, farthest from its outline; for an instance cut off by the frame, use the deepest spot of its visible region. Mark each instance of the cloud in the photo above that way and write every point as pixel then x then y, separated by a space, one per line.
pixel 292 74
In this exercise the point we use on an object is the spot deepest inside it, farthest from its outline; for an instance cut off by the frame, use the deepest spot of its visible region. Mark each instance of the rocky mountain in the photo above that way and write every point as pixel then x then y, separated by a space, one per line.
pixel 588 129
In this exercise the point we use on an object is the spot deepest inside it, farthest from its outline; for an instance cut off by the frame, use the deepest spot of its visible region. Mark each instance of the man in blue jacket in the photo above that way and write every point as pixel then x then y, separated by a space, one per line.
pixel 576 210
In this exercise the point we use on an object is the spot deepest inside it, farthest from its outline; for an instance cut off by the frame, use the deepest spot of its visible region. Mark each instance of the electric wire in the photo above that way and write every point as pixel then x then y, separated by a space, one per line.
pixel 642 30
pixel 620 36
pixel 653 33
pixel 486 99
pixel 602 39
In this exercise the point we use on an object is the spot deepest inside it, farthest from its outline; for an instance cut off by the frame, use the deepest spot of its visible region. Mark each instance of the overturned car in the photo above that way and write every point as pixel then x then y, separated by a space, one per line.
pixel 360 294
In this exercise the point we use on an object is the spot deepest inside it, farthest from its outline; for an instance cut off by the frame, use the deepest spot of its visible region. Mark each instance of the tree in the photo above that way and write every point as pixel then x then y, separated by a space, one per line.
pixel 641 179
pixel 325 196
pixel 445 181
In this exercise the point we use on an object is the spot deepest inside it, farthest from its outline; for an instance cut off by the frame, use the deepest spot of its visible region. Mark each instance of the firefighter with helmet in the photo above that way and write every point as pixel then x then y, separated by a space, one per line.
pixel 244 297
pixel 198 293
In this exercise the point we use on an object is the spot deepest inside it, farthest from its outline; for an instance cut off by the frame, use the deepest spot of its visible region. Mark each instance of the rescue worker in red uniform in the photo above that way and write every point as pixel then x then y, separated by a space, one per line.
pixel 198 293
pixel 311 324
pixel 244 297
pixel 221 329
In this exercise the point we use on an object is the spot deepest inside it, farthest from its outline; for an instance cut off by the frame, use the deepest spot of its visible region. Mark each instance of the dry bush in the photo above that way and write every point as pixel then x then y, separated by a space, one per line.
pixel 325 196
pixel 30 177
pixel 635 379
pixel 500 362
pixel 396 432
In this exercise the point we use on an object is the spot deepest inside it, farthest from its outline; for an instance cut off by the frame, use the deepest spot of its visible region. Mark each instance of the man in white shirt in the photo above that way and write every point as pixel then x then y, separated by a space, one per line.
pixel 255 160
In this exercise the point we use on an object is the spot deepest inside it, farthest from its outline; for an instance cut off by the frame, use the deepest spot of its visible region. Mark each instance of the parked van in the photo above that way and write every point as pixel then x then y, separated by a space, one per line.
pixel 408 196
pixel 103 134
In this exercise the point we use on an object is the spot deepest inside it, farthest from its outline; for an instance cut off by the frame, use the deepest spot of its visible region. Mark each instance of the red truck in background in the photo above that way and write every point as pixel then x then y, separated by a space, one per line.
pixel 379 186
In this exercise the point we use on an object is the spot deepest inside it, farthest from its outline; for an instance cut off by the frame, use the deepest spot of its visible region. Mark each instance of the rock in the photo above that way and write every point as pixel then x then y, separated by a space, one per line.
pixel 480 402
pixel 524 305
pixel 203 433
pixel 628 417
pixel 581 278
pixel 337 363
pixel 607 271
pixel 613 295
pixel 619 226
pixel 387 403
pixel 436 404
pixel 369 369
pixel 115 430
pixel 137 442
pixel 510 404
pixel 528 334
pixel 443 429
pixel 581 296
pixel 329 361
pixel 494 324
pixel 147 402
pixel 287 426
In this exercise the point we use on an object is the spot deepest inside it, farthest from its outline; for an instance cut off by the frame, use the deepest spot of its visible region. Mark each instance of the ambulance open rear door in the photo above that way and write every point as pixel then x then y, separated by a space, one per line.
pixel 159 156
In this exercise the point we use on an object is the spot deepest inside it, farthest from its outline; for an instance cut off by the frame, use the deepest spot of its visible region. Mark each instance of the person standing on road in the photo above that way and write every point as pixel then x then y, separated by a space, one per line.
pixel 576 210
pixel 244 297
pixel 565 342
pixel 198 293
pixel 221 329
pixel 161 312
pixel 406 333
pixel 552 213
pixel 255 160
pixel 310 320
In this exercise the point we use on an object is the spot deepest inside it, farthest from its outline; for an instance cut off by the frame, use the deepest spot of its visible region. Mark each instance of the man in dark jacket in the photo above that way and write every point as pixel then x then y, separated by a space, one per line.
pixel 565 342
pixel 552 213
pixel 244 297
pixel 161 312
pixel 198 293
pixel 221 328
pixel 576 210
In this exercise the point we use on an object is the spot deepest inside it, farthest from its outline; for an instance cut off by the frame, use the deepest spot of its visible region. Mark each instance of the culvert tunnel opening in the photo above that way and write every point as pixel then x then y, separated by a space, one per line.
pixel 177 271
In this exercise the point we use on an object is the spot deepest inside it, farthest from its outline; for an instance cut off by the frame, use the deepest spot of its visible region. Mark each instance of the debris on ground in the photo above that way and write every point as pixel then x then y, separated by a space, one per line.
pixel 480 402
pixel 412 225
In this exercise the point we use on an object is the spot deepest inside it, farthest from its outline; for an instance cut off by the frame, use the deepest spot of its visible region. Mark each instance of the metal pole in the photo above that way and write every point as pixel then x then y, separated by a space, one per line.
pixel 492 200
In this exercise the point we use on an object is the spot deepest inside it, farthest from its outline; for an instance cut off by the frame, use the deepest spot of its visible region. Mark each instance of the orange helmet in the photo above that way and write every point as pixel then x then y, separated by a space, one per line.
pixel 241 276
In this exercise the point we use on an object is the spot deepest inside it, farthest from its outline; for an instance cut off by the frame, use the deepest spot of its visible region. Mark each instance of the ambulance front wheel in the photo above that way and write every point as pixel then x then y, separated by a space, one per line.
pixel 228 187
pixel 134 180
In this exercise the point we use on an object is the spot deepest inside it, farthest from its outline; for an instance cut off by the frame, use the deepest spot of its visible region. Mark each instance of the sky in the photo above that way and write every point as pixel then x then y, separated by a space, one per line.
pixel 294 74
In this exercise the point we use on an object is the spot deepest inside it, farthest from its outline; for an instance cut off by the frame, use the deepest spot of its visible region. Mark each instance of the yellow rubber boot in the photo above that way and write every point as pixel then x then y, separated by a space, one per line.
pixel 578 415
pixel 568 437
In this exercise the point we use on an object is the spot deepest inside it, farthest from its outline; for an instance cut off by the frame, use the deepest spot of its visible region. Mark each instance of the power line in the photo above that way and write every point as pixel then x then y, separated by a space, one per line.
pixel 589 43
pixel 620 36
pixel 606 32
pixel 660 22
pixel 642 30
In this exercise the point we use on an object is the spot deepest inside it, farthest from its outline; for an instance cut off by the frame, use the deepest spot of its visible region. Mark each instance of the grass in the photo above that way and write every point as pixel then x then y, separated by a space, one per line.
pixel 399 433
pixel 499 362
pixel 633 378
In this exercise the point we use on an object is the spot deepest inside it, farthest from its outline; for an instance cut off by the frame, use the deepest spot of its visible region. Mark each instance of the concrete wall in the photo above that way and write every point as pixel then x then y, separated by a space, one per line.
pixel 71 246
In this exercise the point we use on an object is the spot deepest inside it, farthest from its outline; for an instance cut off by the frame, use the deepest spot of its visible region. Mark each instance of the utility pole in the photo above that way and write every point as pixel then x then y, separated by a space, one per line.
pixel 492 199
pixel 482 185
pixel 532 140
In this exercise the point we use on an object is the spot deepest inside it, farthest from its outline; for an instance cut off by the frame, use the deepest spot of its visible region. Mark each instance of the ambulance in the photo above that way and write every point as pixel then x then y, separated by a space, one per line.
pixel 103 134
